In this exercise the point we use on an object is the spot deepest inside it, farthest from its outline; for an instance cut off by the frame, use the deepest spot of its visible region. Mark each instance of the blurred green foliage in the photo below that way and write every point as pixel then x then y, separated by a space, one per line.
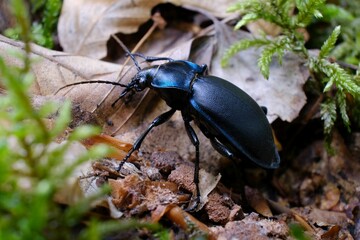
pixel 46 14
pixel 298 233
pixel 346 14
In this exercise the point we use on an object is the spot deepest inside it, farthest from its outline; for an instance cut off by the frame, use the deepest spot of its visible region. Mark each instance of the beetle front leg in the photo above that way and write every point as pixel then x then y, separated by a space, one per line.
pixel 195 141
pixel 156 122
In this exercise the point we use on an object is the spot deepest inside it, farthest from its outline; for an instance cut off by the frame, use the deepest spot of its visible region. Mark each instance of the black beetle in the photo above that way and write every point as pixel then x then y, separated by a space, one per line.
pixel 234 123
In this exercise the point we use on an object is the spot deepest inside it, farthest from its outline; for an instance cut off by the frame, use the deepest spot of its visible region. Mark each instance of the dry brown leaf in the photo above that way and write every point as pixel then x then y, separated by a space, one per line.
pixel 331 196
pixel 322 223
pixel 119 148
pixel 53 70
pixel 186 221
pixel 106 139
pixel 135 195
pixel 177 215
pixel 221 209
pixel 126 192
pixel 333 233
pixel 303 222
pixel 183 175
pixel 257 201
pixel 252 227
pixel 207 183
pixel 85 26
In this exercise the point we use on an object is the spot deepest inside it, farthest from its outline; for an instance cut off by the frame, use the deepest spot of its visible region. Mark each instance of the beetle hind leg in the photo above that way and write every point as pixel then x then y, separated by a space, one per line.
pixel 221 148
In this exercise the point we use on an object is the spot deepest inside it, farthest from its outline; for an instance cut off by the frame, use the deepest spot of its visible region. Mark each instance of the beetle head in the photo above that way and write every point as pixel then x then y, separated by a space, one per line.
pixel 139 82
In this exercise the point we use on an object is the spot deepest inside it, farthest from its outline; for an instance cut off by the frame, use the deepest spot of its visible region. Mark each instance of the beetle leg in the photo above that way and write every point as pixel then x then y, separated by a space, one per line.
pixel 221 148
pixel 156 122
pixel 152 59
pixel 195 141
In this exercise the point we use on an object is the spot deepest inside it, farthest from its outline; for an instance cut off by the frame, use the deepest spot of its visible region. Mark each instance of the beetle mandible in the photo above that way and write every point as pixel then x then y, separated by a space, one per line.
pixel 234 123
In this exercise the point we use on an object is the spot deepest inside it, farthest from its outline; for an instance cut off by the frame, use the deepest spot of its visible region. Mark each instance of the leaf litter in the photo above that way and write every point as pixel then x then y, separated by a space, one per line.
pixel 314 189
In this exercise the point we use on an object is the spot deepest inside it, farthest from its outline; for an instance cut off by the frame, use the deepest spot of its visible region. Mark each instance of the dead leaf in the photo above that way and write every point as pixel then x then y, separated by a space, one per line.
pixel 120 148
pixel 220 208
pixel 85 26
pixel 97 174
pixel 135 195
pixel 257 201
pixel 114 211
pixel 165 161
pixel 183 175
pixel 303 222
pixel 333 233
pixel 53 70
pixel 331 196
pixel 187 221
pixel 324 223
pixel 326 218
pixel 126 193
pixel 183 219
pixel 252 227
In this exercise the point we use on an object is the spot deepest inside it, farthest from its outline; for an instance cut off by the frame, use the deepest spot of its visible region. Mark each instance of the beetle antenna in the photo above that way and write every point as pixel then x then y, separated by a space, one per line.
pixel 89 82
pixel 132 56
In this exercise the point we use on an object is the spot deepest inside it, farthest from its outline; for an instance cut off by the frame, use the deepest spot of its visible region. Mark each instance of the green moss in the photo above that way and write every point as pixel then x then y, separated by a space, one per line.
pixel 44 25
